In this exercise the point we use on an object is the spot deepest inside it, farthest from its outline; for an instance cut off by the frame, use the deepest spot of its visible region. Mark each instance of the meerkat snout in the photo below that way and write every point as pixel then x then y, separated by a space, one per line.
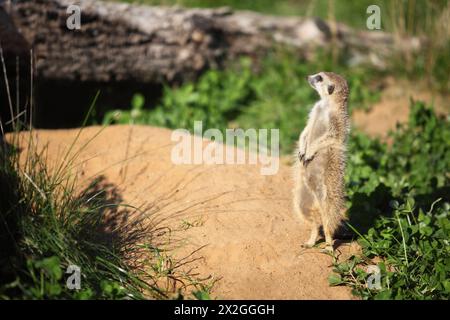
pixel 321 83
pixel 328 84
pixel 313 79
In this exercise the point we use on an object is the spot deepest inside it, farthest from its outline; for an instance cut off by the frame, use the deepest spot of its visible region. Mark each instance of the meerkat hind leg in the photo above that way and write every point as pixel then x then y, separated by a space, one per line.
pixel 313 237
pixel 327 232
pixel 324 218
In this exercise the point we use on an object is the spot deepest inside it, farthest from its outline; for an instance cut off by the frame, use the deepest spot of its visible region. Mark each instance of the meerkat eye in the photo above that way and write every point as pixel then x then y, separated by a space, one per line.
pixel 330 88
pixel 319 79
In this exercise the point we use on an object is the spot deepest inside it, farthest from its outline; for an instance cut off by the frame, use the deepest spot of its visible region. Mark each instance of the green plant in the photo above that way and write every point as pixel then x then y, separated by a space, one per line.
pixel 413 252
pixel 48 223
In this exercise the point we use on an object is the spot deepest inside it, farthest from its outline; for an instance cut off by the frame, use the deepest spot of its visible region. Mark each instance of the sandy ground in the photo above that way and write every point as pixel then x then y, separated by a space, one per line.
pixel 243 219
pixel 394 104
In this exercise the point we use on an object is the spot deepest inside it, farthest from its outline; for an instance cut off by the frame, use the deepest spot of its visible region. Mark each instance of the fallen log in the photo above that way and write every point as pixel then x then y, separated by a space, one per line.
pixel 125 42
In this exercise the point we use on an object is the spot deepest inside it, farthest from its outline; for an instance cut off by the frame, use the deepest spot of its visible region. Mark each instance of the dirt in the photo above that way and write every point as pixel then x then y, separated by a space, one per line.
pixel 243 222
pixel 394 105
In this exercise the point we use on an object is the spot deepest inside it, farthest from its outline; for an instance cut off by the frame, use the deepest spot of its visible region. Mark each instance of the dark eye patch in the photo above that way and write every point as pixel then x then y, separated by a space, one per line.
pixel 319 79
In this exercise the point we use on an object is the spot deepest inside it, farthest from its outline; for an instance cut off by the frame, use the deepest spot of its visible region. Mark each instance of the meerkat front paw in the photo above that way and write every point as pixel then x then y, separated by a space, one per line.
pixel 307 159
pixel 301 155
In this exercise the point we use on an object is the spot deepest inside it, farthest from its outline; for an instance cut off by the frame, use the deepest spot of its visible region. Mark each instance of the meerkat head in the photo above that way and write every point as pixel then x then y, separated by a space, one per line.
pixel 329 85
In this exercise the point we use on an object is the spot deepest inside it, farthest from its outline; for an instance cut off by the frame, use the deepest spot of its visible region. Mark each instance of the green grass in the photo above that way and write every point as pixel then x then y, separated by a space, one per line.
pixel 412 247
pixel 48 223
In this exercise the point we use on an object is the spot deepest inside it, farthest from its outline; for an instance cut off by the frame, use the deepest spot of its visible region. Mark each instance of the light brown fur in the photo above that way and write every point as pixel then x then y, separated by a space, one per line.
pixel 320 159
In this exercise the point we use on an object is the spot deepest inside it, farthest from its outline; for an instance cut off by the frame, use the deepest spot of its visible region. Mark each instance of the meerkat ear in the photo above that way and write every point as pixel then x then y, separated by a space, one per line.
pixel 330 88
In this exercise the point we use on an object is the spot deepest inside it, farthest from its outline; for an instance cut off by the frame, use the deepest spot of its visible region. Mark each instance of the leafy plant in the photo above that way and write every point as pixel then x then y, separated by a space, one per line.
pixel 414 251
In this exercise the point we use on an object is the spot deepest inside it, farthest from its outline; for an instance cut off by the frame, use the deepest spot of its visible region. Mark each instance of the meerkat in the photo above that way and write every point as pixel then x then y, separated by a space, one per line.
pixel 320 159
